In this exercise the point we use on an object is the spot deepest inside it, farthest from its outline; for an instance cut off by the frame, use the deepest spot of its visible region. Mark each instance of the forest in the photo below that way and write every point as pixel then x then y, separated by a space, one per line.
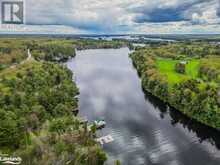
pixel 186 75
pixel 38 103
pixel 14 50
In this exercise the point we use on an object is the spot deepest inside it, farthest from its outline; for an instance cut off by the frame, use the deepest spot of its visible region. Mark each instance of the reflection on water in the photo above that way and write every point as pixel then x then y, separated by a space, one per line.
pixel 204 133
pixel 145 130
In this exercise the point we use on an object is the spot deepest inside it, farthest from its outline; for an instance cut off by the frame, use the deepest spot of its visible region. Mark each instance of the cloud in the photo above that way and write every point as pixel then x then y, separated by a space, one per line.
pixel 91 15
pixel 206 14
pixel 196 11
pixel 127 16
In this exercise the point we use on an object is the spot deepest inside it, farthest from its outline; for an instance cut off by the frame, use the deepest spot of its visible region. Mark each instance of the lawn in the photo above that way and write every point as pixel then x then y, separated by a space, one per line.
pixel 167 67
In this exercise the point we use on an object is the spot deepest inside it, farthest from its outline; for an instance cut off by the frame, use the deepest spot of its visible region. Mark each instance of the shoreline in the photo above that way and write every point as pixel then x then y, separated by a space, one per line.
pixel 166 99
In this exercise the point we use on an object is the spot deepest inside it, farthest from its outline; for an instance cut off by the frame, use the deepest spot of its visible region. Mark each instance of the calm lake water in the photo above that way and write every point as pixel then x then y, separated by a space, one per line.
pixel 146 131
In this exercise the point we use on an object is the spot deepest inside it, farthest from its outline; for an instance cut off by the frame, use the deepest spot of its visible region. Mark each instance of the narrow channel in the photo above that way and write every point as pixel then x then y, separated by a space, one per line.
pixel 145 131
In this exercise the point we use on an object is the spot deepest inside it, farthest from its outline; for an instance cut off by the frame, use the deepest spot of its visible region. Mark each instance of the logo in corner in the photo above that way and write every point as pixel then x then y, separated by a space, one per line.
pixel 12 12
pixel 10 160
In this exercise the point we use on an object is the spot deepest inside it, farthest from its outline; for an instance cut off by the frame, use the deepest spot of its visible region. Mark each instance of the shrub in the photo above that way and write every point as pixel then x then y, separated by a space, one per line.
pixel 180 68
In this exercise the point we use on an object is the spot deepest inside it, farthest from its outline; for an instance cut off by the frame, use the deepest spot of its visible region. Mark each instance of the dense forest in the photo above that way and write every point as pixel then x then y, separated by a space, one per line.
pixel 38 103
pixel 185 75
pixel 38 98
pixel 14 50
pixel 60 50
pixel 11 52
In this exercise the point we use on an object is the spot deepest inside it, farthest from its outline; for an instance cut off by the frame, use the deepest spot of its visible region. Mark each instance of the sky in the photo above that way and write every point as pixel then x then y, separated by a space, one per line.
pixel 119 17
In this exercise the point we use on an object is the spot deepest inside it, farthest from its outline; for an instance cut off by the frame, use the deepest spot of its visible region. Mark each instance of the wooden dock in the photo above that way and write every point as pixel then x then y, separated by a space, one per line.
pixel 105 139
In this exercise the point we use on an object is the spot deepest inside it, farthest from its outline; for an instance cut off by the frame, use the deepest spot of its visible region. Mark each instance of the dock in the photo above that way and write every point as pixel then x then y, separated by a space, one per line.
pixel 105 139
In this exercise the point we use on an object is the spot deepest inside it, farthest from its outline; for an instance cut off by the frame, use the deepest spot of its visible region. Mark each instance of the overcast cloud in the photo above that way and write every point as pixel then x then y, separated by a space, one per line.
pixel 123 16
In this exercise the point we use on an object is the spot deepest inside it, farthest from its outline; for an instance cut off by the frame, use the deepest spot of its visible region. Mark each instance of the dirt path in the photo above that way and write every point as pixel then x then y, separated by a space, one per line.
pixel 22 62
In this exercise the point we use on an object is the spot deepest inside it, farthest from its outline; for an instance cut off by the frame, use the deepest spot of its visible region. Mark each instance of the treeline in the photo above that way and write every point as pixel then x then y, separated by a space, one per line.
pixel 60 50
pixel 49 50
pixel 37 121
pixel 210 69
pixel 183 50
pixel 100 44
pixel 197 99
pixel 12 52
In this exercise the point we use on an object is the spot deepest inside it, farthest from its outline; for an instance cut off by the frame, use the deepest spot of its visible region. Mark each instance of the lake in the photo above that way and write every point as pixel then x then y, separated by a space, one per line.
pixel 145 130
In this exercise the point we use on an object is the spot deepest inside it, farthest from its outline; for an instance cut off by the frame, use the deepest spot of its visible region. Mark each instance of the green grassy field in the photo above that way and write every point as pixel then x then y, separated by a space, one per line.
pixel 165 76
pixel 167 67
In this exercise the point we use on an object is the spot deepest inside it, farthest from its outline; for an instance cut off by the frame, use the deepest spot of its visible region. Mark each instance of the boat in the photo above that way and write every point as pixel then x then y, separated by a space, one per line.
pixel 100 124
